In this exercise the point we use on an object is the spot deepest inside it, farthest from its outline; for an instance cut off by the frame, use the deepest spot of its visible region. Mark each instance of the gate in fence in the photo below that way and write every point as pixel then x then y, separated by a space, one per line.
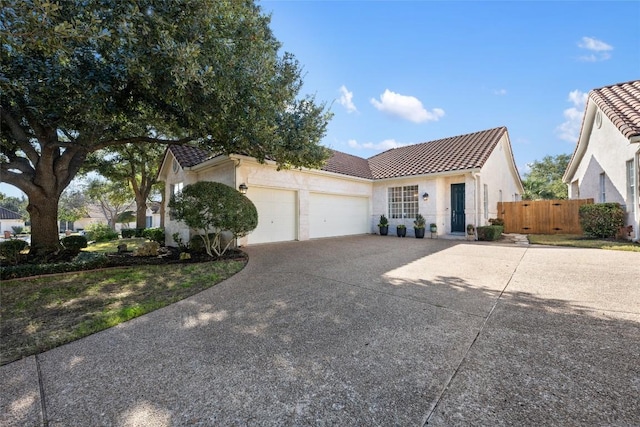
pixel 542 216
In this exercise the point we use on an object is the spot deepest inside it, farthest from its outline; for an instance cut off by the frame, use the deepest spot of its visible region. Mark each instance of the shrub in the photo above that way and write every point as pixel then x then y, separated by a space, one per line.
pixel 489 232
pixel 10 250
pixel 128 233
pixel 496 221
pixel 601 219
pixel 139 232
pixel 74 243
pixel 154 234
pixel 17 229
pixel 100 233
pixel 84 261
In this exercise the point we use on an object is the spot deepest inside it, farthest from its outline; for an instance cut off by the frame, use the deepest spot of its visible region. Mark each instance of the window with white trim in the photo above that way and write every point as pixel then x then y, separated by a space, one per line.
pixel 176 188
pixel 603 192
pixel 403 201
pixel 486 201
pixel 631 186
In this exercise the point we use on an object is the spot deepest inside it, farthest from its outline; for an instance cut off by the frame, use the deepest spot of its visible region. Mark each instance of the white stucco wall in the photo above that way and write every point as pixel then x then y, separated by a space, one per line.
pixel 6 224
pixel 607 151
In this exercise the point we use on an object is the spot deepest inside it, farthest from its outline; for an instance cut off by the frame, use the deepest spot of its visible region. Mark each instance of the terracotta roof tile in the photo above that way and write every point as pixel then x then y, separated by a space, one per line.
pixel 468 151
pixel 189 156
pixel 347 164
pixel 621 104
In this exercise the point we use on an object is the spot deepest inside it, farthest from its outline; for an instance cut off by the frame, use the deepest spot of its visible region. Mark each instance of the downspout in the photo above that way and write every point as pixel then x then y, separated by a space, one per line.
pixel 637 197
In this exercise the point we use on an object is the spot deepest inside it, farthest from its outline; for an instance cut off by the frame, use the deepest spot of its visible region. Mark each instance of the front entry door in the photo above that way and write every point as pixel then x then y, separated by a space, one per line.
pixel 457 208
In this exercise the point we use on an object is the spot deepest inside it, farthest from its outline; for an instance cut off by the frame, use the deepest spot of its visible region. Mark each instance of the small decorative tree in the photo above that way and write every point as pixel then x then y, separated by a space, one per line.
pixel 212 208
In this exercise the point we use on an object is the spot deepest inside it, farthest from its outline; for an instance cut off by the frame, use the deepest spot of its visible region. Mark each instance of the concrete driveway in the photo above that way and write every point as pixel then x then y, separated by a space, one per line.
pixel 363 331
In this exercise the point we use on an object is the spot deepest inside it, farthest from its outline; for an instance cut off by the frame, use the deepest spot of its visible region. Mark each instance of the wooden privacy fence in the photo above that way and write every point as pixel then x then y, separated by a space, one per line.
pixel 542 216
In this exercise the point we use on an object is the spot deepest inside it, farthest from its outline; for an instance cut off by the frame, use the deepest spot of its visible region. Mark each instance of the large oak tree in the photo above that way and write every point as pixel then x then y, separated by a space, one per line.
pixel 77 76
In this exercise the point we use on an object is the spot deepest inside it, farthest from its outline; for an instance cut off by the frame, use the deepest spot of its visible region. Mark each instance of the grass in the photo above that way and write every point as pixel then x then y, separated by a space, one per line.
pixel 112 245
pixel 42 313
pixel 578 241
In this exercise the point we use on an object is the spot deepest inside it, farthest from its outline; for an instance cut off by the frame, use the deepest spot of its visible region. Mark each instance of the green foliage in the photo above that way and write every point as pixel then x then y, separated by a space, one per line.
pixel 489 232
pixel 125 217
pixel 74 243
pixel 10 250
pixel 212 207
pixel 496 221
pixel 128 233
pixel 181 246
pixel 15 204
pixel 100 233
pixel 544 180
pixel 154 234
pixel 419 222
pixel 384 222
pixel 83 261
pixel 72 206
pixel 17 229
pixel 601 219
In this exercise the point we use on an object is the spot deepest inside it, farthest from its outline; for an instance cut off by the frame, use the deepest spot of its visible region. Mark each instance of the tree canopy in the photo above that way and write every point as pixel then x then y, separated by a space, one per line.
pixel 77 76
pixel 544 180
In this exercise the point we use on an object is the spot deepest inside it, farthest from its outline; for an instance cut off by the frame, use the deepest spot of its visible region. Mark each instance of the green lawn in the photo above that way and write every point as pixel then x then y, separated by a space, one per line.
pixel 578 241
pixel 41 313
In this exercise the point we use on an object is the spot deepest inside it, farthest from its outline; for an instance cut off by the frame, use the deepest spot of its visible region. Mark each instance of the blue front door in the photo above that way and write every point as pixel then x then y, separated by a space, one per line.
pixel 457 208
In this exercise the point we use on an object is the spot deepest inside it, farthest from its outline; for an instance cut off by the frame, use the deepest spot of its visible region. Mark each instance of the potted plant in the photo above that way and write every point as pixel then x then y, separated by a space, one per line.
pixel 401 230
pixel 383 225
pixel 433 227
pixel 419 226
pixel 471 229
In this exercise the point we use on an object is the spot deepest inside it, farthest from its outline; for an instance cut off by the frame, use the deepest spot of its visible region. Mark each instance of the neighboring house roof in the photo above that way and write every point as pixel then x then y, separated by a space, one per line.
pixel 462 152
pixel 7 214
pixel 468 151
pixel 621 104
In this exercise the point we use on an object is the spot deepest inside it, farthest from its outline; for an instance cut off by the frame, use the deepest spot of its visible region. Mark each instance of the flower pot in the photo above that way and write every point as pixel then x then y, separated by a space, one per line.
pixel 401 231
pixel 434 229
pixel 419 232
pixel 384 230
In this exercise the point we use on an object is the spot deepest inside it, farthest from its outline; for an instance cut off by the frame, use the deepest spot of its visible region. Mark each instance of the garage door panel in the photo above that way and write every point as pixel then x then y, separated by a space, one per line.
pixel 332 215
pixel 277 215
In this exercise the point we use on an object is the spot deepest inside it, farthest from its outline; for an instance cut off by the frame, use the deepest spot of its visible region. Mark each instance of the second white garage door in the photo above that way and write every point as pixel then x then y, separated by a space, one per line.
pixel 277 215
pixel 331 215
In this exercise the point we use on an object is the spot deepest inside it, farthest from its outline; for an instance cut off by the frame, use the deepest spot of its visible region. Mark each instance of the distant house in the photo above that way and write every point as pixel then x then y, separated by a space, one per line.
pixel 96 215
pixel 9 219
pixel 452 182
pixel 606 162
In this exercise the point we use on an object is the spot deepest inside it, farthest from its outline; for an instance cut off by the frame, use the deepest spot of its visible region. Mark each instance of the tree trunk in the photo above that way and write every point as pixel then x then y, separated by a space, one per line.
pixel 141 211
pixel 43 212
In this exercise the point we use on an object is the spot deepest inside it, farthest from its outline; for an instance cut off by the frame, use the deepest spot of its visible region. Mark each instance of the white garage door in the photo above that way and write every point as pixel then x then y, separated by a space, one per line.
pixel 276 215
pixel 331 215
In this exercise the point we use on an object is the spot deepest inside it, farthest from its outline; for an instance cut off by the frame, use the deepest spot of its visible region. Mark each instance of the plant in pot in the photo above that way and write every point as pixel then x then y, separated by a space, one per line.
pixel 419 226
pixel 471 229
pixel 401 230
pixel 433 227
pixel 383 225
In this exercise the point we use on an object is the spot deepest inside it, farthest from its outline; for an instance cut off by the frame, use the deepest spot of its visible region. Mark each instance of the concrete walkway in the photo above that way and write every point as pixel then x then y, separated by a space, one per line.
pixel 363 331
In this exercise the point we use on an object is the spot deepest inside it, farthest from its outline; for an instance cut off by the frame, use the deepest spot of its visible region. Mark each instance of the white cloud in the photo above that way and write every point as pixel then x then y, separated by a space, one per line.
pixel 346 100
pixel 387 144
pixel 405 107
pixel 599 49
pixel 500 92
pixel 569 130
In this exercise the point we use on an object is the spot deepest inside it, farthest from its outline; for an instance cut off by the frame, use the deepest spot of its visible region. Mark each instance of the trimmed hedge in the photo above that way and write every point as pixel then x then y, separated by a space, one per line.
pixel 128 233
pixel 84 261
pixel 601 219
pixel 100 233
pixel 10 250
pixel 74 243
pixel 489 232
pixel 154 234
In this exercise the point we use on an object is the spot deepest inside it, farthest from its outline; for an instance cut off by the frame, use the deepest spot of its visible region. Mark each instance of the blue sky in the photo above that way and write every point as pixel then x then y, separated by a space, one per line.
pixel 403 72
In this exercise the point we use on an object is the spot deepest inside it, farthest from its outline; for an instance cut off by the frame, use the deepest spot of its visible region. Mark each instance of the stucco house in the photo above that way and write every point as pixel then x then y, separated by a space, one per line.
pixel 452 182
pixel 605 165
pixel 9 219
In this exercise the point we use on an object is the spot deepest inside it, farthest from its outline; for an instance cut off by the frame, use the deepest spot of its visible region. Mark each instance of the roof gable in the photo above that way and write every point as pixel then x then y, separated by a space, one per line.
pixel 189 156
pixel 462 152
pixel 621 104
pixel 8 214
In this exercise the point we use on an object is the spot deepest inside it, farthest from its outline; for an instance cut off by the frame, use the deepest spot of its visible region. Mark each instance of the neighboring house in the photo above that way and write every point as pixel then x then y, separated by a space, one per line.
pixel 606 162
pixel 452 182
pixel 9 219
pixel 96 215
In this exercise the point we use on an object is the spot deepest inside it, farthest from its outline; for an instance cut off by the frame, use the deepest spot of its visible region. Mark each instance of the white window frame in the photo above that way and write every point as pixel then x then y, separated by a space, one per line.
pixel 603 190
pixel 402 202
pixel 486 201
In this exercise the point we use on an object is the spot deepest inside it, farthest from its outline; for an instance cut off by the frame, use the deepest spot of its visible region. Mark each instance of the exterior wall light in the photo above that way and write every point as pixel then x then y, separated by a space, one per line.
pixel 425 196
pixel 243 188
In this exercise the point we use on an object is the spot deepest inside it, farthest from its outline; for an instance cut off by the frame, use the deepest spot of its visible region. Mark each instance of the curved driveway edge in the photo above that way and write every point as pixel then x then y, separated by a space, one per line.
pixel 363 330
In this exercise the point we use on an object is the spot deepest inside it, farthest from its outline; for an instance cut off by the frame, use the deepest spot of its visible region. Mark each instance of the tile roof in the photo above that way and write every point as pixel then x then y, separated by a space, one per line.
pixel 462 152
pixel 468 151
pixel 7 214
pixel 346 164
pixel 189 156
pixel 621 104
